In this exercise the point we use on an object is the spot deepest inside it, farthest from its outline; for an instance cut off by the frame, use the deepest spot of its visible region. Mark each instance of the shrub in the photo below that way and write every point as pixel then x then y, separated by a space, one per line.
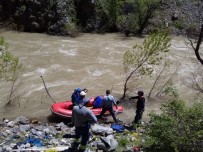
pixel 177 128
pixel 8 63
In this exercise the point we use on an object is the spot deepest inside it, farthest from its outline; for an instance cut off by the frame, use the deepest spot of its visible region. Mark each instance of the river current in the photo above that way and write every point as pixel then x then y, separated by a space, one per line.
pixel 89 61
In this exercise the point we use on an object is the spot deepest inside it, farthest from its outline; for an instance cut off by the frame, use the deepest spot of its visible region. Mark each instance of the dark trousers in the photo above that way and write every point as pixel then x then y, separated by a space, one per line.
pixel 84 133
pixel 138 116
pixel 110 109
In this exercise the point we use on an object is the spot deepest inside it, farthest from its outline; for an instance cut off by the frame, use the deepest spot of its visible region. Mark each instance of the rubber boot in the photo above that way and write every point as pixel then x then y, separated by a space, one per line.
pixel 74 147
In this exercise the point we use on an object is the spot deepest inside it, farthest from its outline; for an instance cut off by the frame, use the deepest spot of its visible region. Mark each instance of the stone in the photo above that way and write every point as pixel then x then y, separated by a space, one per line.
pixel 13 146
pixel 4 134
pixel 27 145
pixel 21 120
pixel 8 148
pixel 24 128
pixel 11 124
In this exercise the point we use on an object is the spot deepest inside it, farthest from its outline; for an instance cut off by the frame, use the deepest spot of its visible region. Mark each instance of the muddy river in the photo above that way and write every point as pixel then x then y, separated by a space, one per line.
pixel 92 61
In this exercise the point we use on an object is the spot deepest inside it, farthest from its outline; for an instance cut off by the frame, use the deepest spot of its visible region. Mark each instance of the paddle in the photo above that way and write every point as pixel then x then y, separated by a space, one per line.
pixel 47 90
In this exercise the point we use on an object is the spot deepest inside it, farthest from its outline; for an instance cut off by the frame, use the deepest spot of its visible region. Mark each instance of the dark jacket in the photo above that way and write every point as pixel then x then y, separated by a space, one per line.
pixel 140 102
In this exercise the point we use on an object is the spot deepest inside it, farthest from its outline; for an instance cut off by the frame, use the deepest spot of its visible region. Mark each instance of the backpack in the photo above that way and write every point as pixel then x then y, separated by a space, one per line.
pixel 97 102
pixel 118 127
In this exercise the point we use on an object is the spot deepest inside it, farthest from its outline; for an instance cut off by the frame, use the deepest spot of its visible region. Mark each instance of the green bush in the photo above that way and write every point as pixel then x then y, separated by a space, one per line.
pixel 8 63
pixel 179 128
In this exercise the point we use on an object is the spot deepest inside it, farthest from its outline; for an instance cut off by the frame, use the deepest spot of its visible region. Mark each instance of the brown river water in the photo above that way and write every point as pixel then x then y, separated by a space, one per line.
pixel 92 61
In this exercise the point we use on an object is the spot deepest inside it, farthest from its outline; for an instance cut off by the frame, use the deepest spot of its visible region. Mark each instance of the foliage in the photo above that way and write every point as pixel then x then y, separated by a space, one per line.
pixel 107 13
pixel 142 11
pixel 177 128
pixel 179 25
pixel 171 90
pixel 8 63
pixel 127 139
pixel 123 142
pixel 112 10
pixel 141 58
pixel 72 29
pixel 10 69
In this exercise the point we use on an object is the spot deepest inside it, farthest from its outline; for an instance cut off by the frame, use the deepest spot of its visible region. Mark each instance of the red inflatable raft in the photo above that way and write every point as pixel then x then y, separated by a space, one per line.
pixel 64 109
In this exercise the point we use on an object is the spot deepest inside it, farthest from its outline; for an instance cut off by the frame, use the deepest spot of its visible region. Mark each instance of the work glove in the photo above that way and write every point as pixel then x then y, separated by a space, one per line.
pixel 118 102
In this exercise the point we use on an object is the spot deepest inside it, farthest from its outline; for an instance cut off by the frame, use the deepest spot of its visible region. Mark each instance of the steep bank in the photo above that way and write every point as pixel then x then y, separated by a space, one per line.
pixel 67 17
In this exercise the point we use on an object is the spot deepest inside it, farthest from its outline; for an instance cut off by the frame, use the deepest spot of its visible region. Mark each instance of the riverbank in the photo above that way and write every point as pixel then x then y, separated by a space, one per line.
pixel 22 134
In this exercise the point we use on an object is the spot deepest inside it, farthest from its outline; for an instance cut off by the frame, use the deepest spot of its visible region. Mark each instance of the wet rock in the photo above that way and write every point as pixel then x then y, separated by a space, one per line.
pixel 21 120
pixel 35 121
pixel 40 134
pixel 27 145
pixel 24 128
pixel 4 134
pixel 6 120
pixel 46 131
pixel 33 131
pixel 54 142
pixel 11 124
pixel 63 141
pixel 13 146
pixel 1 122
pixel 8 148
pixel 39 128
pixel 61 126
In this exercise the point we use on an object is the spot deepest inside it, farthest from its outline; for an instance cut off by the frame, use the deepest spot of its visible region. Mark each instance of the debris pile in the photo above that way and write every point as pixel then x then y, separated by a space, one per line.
pixel 23 134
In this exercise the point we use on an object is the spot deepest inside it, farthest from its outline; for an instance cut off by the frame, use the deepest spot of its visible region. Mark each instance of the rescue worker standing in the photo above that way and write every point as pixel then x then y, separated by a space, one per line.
pixel 140 106
pixel 107 105
pixel 82 117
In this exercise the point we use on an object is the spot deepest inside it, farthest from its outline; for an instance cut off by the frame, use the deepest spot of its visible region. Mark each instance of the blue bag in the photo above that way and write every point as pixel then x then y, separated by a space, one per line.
pixel 97 102
pixel 118 127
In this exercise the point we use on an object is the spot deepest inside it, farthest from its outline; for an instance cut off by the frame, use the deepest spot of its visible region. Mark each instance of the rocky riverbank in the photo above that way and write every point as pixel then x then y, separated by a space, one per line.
pixel 22 134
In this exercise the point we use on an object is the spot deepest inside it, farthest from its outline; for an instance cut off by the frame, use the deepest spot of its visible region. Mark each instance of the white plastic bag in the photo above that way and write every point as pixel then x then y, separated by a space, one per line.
pixel 98 129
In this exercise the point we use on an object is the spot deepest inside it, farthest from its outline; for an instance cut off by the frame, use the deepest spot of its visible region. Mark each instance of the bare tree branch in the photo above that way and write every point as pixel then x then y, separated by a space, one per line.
pixel 167 82
pixel 198 46
pixel 157 79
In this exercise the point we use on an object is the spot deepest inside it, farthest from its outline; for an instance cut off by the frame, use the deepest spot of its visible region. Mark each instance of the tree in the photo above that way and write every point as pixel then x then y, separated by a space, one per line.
pixel 192 18
pixel 142 11
pixel 107 11
pixel 10 71
pixel 141 58
pixel 196 45
pixel 145 10
pixel 194 80
pixel 177 128
pixel 192 12
pixel 8 63
pixel 161 74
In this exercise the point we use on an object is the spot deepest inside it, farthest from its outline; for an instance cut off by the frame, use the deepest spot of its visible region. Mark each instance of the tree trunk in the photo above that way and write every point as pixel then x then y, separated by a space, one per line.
pixel 198 46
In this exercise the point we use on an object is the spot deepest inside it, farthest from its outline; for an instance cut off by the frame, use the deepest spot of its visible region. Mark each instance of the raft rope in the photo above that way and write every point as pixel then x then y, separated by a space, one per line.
pixel 47 90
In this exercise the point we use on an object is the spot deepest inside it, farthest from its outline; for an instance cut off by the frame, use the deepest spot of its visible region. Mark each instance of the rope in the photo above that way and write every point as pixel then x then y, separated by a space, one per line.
pixel 47 90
